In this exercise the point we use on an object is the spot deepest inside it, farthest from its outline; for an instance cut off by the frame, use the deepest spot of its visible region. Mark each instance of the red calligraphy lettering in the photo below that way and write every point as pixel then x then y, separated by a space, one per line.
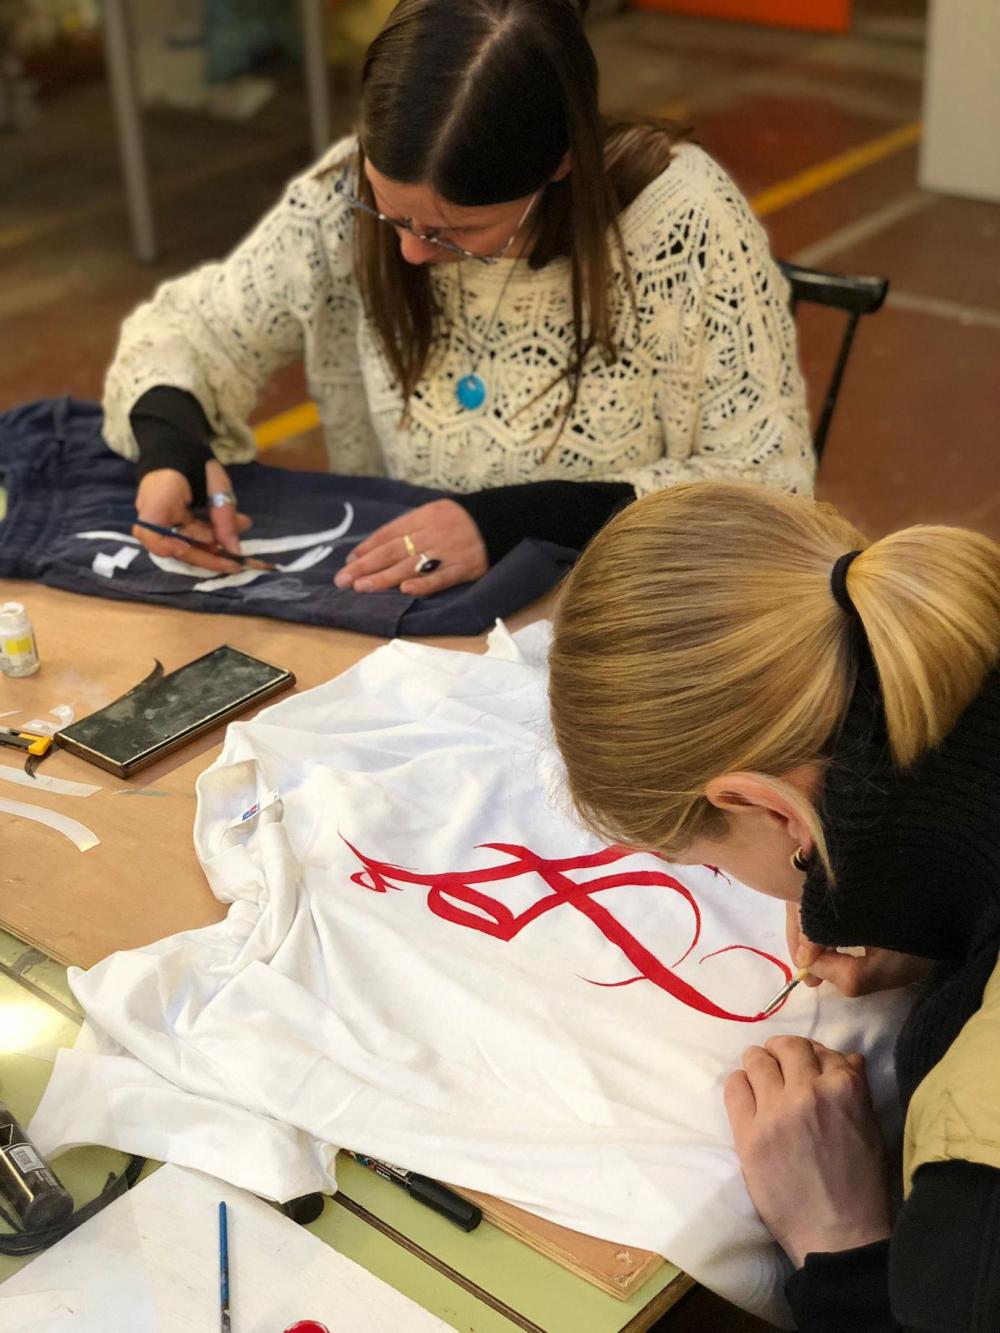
pixel 456 896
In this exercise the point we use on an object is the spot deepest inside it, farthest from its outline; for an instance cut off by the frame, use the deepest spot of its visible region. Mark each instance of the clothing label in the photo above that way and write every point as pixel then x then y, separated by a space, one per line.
pixel 256 808
pixel 25 1158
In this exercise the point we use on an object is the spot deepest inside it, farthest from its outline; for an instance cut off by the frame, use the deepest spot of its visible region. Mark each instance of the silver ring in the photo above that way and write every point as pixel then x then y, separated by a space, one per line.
pixel 426 564
pixel 219 499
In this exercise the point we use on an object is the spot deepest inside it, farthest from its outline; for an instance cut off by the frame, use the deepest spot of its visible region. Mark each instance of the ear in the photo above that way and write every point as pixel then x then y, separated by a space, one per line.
pixel 564 167
pixel 779 802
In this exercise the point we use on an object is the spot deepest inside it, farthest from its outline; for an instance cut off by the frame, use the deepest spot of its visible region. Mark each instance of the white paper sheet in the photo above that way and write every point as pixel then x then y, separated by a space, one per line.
pixel 150 1261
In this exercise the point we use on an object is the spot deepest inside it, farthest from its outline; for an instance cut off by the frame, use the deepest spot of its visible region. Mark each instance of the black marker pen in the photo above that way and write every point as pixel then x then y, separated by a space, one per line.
pixel 430 1192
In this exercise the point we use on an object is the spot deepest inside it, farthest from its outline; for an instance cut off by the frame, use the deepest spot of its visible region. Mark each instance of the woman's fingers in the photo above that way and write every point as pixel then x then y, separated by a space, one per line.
pixel 763 1074
pixel 167 548
pixel 389 577
pixel 800 947
pixel 879 969
pixel 797 1058
pixel 192 555
pixel 809 1145
pixel 440 531
pixel 424 585
pixel 164 498
pixel 383 536
pixel 365 573
pixel 741 1105
pixel 226 521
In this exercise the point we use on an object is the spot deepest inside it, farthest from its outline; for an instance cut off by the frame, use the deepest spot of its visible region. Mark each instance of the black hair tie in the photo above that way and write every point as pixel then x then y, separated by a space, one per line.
pixel 838 582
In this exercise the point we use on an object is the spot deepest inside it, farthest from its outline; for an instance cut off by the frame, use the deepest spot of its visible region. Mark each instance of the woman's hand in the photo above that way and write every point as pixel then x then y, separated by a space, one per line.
pixel 809 1145
pixel 164 498
pixel 441 530
pixel 878 969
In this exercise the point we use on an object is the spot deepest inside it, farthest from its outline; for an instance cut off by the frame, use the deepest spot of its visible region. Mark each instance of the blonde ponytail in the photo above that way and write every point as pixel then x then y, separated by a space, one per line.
pixel 698 635
pixel 929 600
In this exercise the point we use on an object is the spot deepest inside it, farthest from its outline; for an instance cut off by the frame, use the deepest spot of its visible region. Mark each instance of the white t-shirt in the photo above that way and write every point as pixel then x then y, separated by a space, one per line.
pixel 426 960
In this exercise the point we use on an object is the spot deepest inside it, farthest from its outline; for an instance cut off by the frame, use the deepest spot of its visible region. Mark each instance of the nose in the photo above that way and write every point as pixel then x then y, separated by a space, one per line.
pixel 415 250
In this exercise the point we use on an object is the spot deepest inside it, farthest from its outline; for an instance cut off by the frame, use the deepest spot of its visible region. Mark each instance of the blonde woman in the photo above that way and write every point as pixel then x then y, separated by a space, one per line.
pixel 495 293
pixel 738 677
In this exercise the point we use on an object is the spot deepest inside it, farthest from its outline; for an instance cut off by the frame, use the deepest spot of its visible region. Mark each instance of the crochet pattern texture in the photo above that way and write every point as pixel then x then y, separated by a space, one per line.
pixel 706 382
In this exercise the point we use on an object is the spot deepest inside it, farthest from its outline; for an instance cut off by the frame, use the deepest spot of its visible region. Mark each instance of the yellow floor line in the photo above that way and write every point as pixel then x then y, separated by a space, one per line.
pixel 305 417
pixel 296 421
pixel 835 169
pixel 678 108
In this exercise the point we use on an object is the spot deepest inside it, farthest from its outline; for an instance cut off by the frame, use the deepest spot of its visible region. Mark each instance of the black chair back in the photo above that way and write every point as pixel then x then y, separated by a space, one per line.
pixel 855 296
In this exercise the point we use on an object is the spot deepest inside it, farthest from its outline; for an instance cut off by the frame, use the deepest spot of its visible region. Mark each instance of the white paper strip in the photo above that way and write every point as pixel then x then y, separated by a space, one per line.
pixel 274 545
pixel 106 565
pixel 305 561
pixel 81 836
pixel 100 534
pixel 42 782
pixel 250 545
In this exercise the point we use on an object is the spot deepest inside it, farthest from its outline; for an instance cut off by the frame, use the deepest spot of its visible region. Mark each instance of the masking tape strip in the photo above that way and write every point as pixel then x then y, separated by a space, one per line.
pixel 82 837
pixel 64 713
pixel 100 534
pixel 60 786
pixel 295 542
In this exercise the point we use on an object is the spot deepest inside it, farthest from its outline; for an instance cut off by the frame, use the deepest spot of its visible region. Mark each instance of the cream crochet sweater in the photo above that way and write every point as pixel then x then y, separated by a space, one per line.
pixel 706 385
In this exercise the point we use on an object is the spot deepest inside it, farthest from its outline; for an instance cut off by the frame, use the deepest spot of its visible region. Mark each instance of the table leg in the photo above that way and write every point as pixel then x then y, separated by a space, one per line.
pixel 316 73
pixel 124 99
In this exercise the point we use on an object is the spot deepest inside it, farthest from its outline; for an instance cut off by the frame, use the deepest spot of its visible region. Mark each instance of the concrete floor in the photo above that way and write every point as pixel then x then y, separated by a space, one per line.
pixel 915 435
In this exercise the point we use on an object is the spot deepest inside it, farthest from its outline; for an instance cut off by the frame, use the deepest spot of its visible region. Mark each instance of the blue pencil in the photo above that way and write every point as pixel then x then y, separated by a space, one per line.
pixel 224 1318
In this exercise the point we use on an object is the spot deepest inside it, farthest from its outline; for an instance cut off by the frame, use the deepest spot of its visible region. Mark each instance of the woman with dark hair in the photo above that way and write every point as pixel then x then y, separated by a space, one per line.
pixel 495 292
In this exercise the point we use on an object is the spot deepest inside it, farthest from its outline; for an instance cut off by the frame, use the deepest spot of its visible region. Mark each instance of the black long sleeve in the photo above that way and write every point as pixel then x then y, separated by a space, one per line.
pixel 847 1290
pixel 944 1261
pixel 566 512
pixel 940 1273
pixel 172 431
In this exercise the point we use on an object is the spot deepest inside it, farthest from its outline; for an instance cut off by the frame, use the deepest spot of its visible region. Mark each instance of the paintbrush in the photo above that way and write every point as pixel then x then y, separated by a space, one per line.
pixel 786 989
pixel 250 561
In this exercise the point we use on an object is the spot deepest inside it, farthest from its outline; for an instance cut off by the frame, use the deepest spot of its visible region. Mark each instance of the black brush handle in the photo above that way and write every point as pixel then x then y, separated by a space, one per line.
pixel 444 1201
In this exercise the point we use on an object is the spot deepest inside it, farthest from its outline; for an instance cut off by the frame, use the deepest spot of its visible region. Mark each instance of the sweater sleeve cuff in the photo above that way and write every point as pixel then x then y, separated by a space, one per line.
pixel 568 513
pixel 172 431
pixel 844 1290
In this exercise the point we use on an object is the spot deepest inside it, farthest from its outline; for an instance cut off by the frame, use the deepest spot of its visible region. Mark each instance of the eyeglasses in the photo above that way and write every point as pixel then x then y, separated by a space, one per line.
pixel 433 235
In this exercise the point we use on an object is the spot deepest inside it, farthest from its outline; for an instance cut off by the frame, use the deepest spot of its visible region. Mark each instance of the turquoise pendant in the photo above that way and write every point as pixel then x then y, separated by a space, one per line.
pixel 470 391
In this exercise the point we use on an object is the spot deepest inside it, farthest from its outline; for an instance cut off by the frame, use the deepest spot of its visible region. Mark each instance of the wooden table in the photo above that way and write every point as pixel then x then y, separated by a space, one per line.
pixel 144 882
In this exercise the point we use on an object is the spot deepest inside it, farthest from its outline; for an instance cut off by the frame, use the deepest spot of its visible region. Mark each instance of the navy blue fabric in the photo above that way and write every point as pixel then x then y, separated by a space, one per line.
pixel 62 479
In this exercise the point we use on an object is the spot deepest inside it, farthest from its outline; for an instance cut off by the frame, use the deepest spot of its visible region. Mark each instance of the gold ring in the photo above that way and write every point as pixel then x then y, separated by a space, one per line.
pixel 411 550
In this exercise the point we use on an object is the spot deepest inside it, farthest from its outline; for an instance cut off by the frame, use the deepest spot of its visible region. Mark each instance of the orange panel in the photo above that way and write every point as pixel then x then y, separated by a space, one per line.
pixel 820 15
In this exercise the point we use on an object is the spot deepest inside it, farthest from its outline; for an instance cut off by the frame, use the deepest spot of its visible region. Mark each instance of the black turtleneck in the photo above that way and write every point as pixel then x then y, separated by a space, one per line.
pixel 916 860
